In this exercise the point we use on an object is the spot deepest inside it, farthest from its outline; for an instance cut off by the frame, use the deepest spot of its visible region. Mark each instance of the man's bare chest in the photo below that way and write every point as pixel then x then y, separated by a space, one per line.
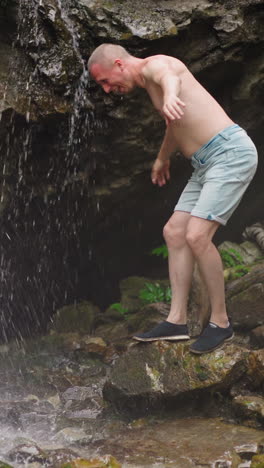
pixel 156 95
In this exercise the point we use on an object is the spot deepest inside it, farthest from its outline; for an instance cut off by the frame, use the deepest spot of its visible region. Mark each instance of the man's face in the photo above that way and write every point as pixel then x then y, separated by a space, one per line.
pixel 115 79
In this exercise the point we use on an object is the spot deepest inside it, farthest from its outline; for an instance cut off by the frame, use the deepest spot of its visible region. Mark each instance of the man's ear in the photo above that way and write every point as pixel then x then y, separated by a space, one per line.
pixel 119 63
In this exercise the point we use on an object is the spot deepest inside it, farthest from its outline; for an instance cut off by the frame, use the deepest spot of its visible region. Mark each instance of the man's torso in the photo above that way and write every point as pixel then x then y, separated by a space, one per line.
pixel 203 116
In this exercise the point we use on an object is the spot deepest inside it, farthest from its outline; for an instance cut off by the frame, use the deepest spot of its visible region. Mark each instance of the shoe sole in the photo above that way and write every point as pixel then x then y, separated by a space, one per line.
pixel 171 338
pixel 212 349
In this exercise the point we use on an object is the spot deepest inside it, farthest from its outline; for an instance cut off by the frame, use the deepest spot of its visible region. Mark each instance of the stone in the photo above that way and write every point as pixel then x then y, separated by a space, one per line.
pixel 250 407
pixel 147 317
pixel 94 345
pixel 130 291
pixel 72 435
pixel 244 299
pixel 75 318
pixel 257 461
pixel 27 453
pixel 255 370
pixel 247 252
pixel 257 337
pixel 149 375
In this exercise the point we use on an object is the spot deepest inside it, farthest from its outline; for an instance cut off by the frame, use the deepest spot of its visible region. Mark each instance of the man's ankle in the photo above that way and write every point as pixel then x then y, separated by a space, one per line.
pixel 222 323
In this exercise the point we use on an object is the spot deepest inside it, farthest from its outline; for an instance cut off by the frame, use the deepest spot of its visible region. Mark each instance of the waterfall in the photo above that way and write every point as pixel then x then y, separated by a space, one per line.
pixel 45 179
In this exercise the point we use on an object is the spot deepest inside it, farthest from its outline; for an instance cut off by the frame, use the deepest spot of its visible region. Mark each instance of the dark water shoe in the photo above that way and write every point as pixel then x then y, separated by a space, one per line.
pixel 164 331
pixel 211 338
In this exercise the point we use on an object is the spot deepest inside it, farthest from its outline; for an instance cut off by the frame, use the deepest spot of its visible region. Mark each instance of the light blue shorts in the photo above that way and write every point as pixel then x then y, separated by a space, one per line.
pixel 223 169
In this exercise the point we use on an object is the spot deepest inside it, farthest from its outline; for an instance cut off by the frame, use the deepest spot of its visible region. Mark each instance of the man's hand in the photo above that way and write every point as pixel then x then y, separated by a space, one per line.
pixel 160 173
pixel 172 109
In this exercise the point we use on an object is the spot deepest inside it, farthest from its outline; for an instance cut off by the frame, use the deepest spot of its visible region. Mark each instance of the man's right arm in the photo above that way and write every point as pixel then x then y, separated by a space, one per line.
pixel 160 173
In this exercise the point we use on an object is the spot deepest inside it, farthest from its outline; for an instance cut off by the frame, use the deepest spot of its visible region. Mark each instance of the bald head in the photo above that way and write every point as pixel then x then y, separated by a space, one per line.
pixel 106 54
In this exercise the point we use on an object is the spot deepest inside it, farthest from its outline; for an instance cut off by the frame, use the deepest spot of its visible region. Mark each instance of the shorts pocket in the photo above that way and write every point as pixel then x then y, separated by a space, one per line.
pixel 242 163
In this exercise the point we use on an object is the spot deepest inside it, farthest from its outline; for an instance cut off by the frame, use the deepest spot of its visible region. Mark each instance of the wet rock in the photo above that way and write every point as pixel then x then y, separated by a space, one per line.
pixel 38 422
pixel 79 318
pixel 257 337
pixel 106 462
pixel 251 409
pixel 83 402
pixel 56 457
pixel 27 453
pixel 79 393
pixel 151 375
pixel 72 435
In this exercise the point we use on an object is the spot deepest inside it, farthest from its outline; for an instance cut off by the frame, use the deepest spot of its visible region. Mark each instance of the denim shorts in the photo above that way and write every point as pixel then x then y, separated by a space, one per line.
pixel 223 169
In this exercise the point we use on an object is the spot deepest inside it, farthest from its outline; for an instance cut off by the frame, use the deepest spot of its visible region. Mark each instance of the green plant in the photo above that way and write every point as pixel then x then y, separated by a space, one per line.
pixel 160 251
pixel 238 271
pixel 231 258
pixel 119 308
pixel 154 292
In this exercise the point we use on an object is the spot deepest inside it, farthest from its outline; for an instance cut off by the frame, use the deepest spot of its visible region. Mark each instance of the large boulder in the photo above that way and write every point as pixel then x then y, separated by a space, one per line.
pixel 153 375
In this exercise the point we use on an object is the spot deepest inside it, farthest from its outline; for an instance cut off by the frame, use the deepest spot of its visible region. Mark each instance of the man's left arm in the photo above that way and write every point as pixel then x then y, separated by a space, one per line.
pixel 172 105
pixel 166 76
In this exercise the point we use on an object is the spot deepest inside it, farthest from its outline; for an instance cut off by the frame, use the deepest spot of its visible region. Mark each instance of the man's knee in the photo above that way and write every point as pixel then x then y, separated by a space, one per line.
pixel 199 235
pixel 174 234
pixel 197 240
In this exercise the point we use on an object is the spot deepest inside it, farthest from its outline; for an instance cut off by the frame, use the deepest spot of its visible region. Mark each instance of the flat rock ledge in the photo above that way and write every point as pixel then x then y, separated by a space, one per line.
pixel 153 375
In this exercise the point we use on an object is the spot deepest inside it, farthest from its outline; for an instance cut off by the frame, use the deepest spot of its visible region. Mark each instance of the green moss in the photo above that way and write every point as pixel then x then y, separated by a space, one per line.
pixel 231 258
pixel 238 271
pixel 125 36
pixel 257 461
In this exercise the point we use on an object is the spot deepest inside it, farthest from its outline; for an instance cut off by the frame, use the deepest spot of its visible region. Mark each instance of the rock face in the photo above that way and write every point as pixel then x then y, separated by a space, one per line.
pixel 75 163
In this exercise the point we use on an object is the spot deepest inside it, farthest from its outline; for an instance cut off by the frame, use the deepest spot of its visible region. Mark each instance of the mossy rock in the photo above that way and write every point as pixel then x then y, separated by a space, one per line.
pixel 257 461
pixel 151 375
pixel 130 291
pixel 76 318
pixel 233 254
pixel 5 465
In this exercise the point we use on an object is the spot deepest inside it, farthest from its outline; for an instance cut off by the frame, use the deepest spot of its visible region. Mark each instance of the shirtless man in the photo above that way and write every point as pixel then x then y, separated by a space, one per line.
pixel 224 160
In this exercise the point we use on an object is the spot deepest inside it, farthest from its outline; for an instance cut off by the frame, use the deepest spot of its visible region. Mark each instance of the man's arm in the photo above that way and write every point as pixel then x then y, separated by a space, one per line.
pixel 168 145
pixel 160 173
pixel 165 75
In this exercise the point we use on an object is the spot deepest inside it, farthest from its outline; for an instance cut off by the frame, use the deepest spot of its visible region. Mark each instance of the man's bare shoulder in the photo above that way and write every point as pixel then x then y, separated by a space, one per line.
pixel 159 64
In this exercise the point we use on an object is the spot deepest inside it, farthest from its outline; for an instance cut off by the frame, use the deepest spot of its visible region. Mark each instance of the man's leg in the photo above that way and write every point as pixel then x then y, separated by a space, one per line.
pixel 181 263
pixel 199 237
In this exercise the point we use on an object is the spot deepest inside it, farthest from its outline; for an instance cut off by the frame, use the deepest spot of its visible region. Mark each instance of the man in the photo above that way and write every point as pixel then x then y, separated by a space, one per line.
pixel 224 160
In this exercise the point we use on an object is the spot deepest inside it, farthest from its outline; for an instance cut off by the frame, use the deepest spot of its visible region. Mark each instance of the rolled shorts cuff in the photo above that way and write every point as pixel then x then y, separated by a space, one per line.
pixel 200 214
pixel 208 216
